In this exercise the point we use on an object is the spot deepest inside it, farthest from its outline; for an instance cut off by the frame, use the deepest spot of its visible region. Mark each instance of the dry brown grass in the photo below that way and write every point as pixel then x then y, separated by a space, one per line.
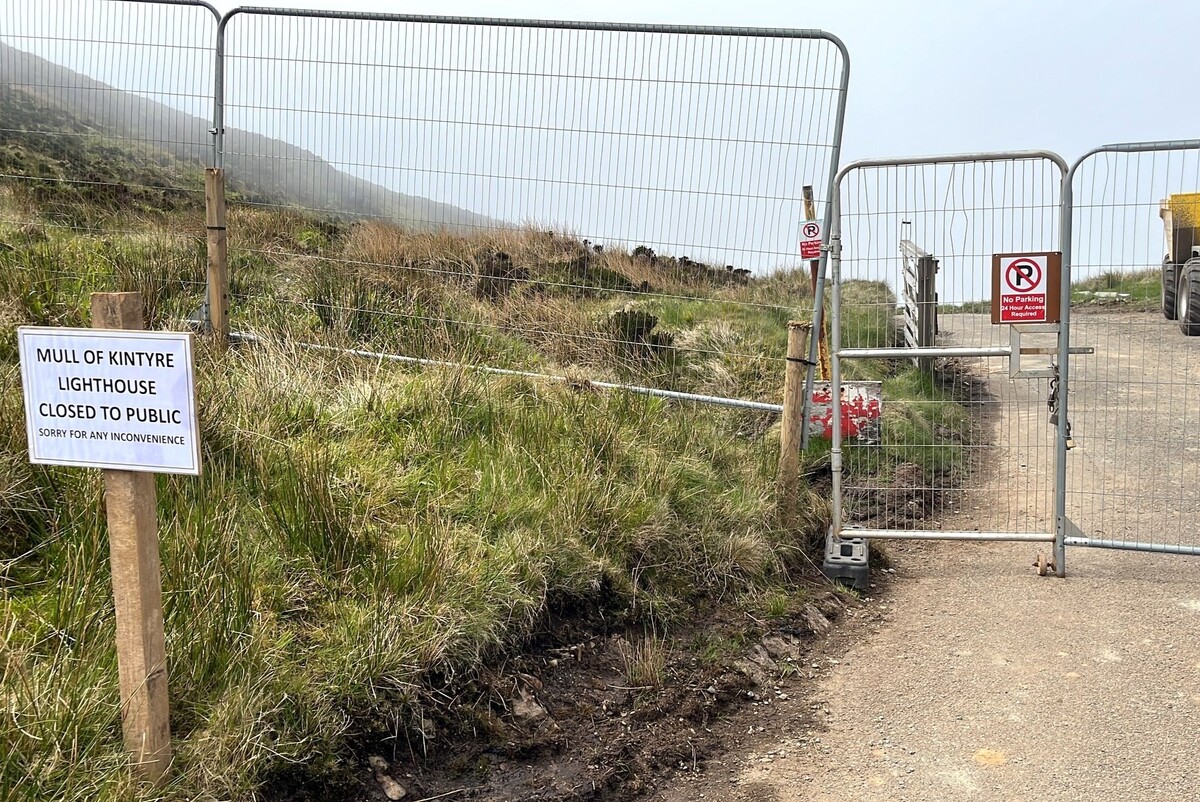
pixel 450 256
pixel 445 295
pixel 382 243
pixel 263 229
pixel 557 327
pixel 386 252
pixel 15 207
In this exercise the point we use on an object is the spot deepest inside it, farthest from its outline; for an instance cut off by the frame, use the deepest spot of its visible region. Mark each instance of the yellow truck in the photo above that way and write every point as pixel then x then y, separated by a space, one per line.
pixel 1181 266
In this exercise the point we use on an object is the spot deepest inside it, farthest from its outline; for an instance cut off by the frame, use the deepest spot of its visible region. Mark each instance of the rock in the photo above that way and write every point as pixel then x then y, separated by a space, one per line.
pixel 392 789
pixel 815 621
pixel 759 656
pixel 752 672
pixel 531 681
pixel 526 710
pixel 781 648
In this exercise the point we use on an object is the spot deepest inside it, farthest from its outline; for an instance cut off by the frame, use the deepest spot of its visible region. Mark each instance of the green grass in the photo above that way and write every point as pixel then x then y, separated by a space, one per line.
pixel 1143 287
pixel 355 530
pixel 966 308
pixel 366 532
pixel 922 424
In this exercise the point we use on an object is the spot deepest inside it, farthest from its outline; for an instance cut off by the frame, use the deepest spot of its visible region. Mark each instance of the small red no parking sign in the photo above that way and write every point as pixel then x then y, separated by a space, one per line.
pixel 810 240
pixel 1026 287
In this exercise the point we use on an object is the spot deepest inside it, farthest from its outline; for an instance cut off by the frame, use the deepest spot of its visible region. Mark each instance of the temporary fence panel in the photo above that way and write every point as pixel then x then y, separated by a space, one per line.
pixel 966 451
pixel 106 108
pixel 90 83
pixel 1134 407
pixel 631 177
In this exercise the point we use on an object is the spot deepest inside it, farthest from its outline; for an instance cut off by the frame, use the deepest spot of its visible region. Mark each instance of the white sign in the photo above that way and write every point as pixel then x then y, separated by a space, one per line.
pixel 1023 289
pixel 101 398
pixel 810 240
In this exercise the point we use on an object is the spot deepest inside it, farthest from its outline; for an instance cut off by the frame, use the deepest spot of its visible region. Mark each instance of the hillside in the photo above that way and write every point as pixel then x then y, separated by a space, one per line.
pixel 383 558
pixel 52 99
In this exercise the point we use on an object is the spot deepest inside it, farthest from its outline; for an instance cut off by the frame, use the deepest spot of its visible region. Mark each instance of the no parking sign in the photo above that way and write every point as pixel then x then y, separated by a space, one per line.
pixel 1026 287
pixel 810 240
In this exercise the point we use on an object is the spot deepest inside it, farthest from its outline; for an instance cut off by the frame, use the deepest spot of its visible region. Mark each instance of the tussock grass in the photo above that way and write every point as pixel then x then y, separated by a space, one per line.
pixel 512 298
pixel 645 661
pixel 358 527
pixel 926 429
pixel 47 275
pixel 364 531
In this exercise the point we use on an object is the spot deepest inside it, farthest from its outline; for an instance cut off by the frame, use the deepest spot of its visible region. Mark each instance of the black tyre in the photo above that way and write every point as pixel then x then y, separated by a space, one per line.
pixel 1170 283
pixel 1187 299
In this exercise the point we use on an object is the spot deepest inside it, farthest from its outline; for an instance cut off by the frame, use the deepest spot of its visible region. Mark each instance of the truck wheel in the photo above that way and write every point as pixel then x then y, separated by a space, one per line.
pixel 1170 283
pixel 1187 299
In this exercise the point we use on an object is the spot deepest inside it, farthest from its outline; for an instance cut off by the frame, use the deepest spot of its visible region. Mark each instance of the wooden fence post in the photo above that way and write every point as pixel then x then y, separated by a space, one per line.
pixel 927 272
pixel 137 586
pixel 788 482
pixel 218 252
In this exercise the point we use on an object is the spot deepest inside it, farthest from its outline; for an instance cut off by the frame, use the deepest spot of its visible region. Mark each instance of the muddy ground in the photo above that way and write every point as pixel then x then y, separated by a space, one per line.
pixel 563 722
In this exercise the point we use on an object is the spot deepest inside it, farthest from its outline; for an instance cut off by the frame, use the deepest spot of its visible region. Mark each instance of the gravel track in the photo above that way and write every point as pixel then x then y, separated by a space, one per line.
pixel 983 681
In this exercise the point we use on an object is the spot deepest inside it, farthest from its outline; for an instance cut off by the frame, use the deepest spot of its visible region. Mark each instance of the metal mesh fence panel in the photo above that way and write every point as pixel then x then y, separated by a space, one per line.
pixel 108 78
pixel 1134 404
pixel 105 111
pixel 520 194
pixel 963 448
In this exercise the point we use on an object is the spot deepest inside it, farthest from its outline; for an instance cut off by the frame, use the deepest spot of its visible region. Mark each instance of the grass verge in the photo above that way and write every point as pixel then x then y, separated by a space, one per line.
pixel 364 534
pixel 1144 288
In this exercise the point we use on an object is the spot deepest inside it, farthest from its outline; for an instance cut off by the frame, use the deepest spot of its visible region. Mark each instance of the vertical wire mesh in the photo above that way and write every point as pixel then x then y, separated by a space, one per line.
pixel 986 462
pixel 1135 407
pixel 509 193
pixel 105 111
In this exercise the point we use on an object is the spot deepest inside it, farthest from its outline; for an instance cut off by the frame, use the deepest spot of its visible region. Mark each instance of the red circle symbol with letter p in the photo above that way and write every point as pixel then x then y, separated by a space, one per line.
pixel 1023 275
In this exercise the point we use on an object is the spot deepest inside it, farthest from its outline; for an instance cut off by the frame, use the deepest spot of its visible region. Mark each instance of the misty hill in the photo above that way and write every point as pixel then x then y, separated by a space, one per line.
pixel 40 97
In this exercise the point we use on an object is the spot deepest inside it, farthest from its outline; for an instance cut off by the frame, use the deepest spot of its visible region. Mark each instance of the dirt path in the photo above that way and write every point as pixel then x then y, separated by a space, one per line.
pixel 982 681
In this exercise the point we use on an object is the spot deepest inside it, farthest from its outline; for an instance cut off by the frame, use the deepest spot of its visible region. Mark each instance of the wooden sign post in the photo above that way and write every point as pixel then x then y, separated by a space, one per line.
pixel 137 586
pixel 123 400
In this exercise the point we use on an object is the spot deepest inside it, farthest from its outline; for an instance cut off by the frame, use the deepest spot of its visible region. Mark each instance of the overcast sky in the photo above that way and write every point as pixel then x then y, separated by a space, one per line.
pixel 936 76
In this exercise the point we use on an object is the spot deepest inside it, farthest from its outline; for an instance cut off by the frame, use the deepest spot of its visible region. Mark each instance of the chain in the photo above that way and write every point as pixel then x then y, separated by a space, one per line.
pixel 1052 401
pixel 1052 404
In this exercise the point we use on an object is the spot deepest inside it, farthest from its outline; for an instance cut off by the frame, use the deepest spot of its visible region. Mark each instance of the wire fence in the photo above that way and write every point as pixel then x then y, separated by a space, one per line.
pixel 614 203
pixel 512 193
pixel 502 191
pixel 691 141
pixel 105 117
pixel 1135 407
pixel 953 438
pixel 85 75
